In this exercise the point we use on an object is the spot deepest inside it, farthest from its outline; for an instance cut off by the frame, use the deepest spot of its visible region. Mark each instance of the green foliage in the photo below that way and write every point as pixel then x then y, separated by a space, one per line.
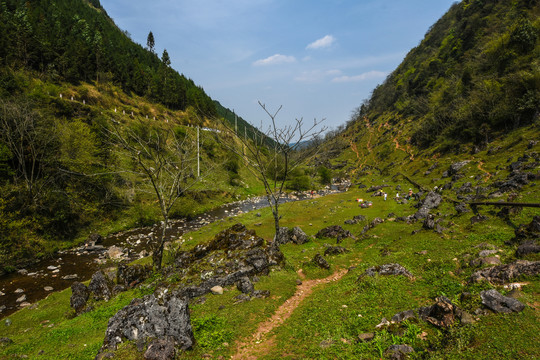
pixel 325 175
pixel 475 66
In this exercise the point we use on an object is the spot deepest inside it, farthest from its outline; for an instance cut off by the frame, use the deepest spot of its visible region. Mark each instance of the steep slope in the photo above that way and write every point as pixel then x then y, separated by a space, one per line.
pixel 475 76
pixel 75 41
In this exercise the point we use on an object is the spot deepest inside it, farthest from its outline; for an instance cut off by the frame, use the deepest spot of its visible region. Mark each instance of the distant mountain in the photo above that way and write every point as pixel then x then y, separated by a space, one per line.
pixel 474 76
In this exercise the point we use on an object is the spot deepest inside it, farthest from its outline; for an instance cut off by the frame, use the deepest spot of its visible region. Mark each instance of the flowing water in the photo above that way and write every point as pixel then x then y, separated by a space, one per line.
pixel 27 286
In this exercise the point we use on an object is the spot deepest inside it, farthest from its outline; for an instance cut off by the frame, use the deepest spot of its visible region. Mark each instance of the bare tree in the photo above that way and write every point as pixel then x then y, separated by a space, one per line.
pixel 22 130
pixel 167 161
pixel 272 164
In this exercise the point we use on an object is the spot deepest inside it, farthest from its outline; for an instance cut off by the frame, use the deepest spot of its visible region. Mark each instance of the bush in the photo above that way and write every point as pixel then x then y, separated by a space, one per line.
pixel 325 174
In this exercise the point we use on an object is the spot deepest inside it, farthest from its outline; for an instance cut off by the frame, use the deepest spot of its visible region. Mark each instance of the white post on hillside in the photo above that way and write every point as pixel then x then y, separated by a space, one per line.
pixel 198 158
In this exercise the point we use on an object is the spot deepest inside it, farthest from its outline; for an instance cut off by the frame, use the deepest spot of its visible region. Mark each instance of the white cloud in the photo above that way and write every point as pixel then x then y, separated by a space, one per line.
pixel 275 59
pixel 374 74
pixel 322 42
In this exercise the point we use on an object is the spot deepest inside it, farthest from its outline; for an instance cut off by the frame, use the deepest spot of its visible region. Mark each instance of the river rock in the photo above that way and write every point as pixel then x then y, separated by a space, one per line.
pixel 48 288
pixel 2 294
pixel 52 267
pixel 115 252
pixel 504 273
pixel 388 269
pixel 70 277
pixel 320 261
pixel 499 303
pixel 21 299
pixel 19 291
pixel 100 286
pixel 79 296
pixel 149 318
pixel 160 349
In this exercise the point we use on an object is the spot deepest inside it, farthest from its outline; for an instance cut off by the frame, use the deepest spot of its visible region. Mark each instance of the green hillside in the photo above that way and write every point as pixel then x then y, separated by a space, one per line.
pixel 475 76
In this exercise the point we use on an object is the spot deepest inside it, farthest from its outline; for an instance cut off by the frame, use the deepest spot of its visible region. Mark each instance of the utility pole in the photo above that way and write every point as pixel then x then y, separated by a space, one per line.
pixel 198 157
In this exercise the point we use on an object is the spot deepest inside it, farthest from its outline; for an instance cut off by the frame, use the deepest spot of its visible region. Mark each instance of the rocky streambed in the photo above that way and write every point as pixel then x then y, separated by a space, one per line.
pixel 26 286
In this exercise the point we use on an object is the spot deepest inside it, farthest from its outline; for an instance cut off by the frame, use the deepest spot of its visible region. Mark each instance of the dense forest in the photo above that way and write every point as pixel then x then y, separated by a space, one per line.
pixel 475 75
pixel 76 41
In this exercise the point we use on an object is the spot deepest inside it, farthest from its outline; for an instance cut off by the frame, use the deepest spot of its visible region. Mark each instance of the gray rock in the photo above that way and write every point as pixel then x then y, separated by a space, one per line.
pixel 478 218
pixel 431 201
pixel 398 352
pixel 2 308
pixel 242 298
pixel 21 299
pixel 335 250
pixel 70 277
pixel 131 275
pixel 503 273
pixel 529 247
pixel 100 286
pixel 485 253
pixel 388 269
pixel 19 291
pixel 244 285
pixel 298 236
pixel 160 349
pixel 48 288
pixel 404 315
pixel 441 314
pixel 499 303
pixel 320 261
pixel 148 318
pixel 261 294
pixel 455 167
pixel 79 296
pixel 334 231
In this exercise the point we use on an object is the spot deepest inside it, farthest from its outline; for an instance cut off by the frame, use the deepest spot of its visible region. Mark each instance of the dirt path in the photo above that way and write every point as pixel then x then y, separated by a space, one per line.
pixel 259 344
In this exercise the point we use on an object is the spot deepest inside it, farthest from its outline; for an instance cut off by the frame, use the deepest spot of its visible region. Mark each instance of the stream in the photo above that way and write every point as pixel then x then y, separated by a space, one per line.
pixel 27 286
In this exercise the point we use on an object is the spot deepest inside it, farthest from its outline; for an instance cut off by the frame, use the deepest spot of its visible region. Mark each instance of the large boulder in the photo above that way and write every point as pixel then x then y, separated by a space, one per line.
pixel 151 318
pixel 504 273
pixel 499 303
pixel 528 247
pixel 431 201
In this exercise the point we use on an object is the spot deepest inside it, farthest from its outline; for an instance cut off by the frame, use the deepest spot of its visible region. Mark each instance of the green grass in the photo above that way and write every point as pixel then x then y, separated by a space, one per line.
pixel 327 323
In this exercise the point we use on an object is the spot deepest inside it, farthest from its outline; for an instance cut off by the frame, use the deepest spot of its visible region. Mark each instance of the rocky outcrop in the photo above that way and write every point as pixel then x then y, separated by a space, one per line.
pixel 431 201
pixel 166 319
pixel 441 314
pixel 499 303
pixel 504 273
pixel 529 247
pixel 295 235
pixel 335 250
pixel 160 349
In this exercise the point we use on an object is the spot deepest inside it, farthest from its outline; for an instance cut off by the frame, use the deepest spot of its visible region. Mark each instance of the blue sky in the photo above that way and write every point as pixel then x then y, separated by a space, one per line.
pixel 317 58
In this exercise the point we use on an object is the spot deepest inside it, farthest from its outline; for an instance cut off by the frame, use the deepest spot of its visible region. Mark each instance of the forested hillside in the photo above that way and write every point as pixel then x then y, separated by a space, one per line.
pixel 474 76
pixel 76 41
